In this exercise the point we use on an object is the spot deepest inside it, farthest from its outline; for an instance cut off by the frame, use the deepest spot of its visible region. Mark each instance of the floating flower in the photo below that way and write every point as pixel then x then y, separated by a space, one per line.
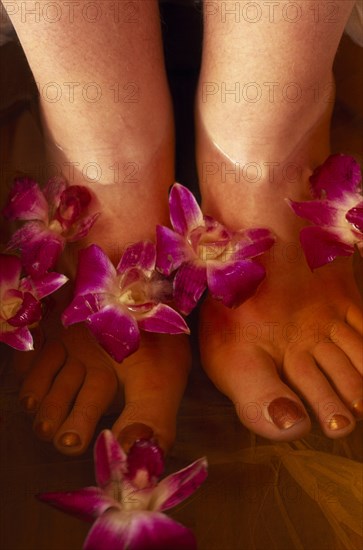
pixel 207 254
pixel 128 502
pixel 337 211
pixel 53 216
pixel 20 305
pixel 118 302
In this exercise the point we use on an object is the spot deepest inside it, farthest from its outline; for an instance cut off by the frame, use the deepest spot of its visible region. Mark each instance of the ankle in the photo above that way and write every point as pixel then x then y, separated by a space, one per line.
pixel 270 129
pixel 251 190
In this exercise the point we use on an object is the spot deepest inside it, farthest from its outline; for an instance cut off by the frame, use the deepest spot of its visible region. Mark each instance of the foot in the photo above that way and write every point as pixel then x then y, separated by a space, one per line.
pixel 296 346
pixel 69 382
pixel 116 137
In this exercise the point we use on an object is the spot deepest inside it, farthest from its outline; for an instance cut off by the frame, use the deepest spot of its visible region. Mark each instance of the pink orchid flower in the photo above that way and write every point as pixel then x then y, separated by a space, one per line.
pixel 128 502
pixel 53 216
pixel 118 302
pixel 208 255
pixel 336 211
pixel 20 305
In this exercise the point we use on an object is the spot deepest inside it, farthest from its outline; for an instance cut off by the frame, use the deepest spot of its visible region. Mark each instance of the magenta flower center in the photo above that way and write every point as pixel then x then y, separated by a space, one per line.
pixel 135 294
pixel 342 225
pixel 9 307
pixel 114 490
pixel 128 495
pixel 141 479
pixel 56 226
pixel 209 244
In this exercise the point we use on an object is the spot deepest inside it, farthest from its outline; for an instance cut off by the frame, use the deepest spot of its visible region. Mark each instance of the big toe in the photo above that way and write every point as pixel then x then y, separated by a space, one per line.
pixel 154 381
pixel 264 404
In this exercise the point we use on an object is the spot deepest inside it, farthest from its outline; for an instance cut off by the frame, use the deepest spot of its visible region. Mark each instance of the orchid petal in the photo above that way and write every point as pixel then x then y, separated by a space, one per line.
pixel 95 271
pixel 41 256
pixel 171 250
pixel 212 238
pixel 44 285
pixel 141 255
pixel 140 309
pixel 73 202
pixel 234 282
pixel 29 312
pixel 82 227
pixel 26 201
pixel 81 308
pixel 138 531
pixel 163 319
pixel 116 331
pixel 322 246
pixel 145 455
pixel 40 247
pixel 257 233
pixel 33 230
pixel 355 216
pixel 9 273
pixel 130 277
pixel 179 486
pixel 340 174
pixel 216 228
pixel 110 459
pixel 85 504
pixel 319 212
pixel 253 242
pixel 185 213
pixel 189 284
pixel 20 338
pixel 53 191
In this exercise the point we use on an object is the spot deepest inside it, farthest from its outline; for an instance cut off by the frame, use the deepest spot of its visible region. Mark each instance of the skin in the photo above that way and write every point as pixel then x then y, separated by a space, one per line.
pixel 320 362
pixel 69 374
pixel 322 369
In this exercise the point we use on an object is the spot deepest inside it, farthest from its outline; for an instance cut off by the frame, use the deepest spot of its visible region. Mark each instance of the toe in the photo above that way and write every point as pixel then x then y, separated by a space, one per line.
pixel 40 377
pixel 23 361
pixel 354 318
pixel 263 402
pixel 303 373
pixel 344 378
pixel 56 405
pixel 94 398
pixel 350 342
pixel 154 380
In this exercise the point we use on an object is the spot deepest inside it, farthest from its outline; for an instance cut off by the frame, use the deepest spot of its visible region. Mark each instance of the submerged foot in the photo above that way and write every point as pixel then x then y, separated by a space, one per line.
pixel 298 343
pixel 69 382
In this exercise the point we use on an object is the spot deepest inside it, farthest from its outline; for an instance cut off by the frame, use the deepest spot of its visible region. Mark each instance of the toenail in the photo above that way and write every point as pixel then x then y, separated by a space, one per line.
pixel 285 413
pixel 134 432
pixel 29 403
pixel 338 422
pixel 43 429
pixel 70 439
pixel 357 408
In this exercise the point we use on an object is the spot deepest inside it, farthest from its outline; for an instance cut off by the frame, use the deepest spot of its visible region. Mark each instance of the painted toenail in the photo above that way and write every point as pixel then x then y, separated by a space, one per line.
pixel 29 403
pixel 70 439
pixel 338 422
pixel 133 433
pixel 285 413
pixel 44 428
pixel 357 407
